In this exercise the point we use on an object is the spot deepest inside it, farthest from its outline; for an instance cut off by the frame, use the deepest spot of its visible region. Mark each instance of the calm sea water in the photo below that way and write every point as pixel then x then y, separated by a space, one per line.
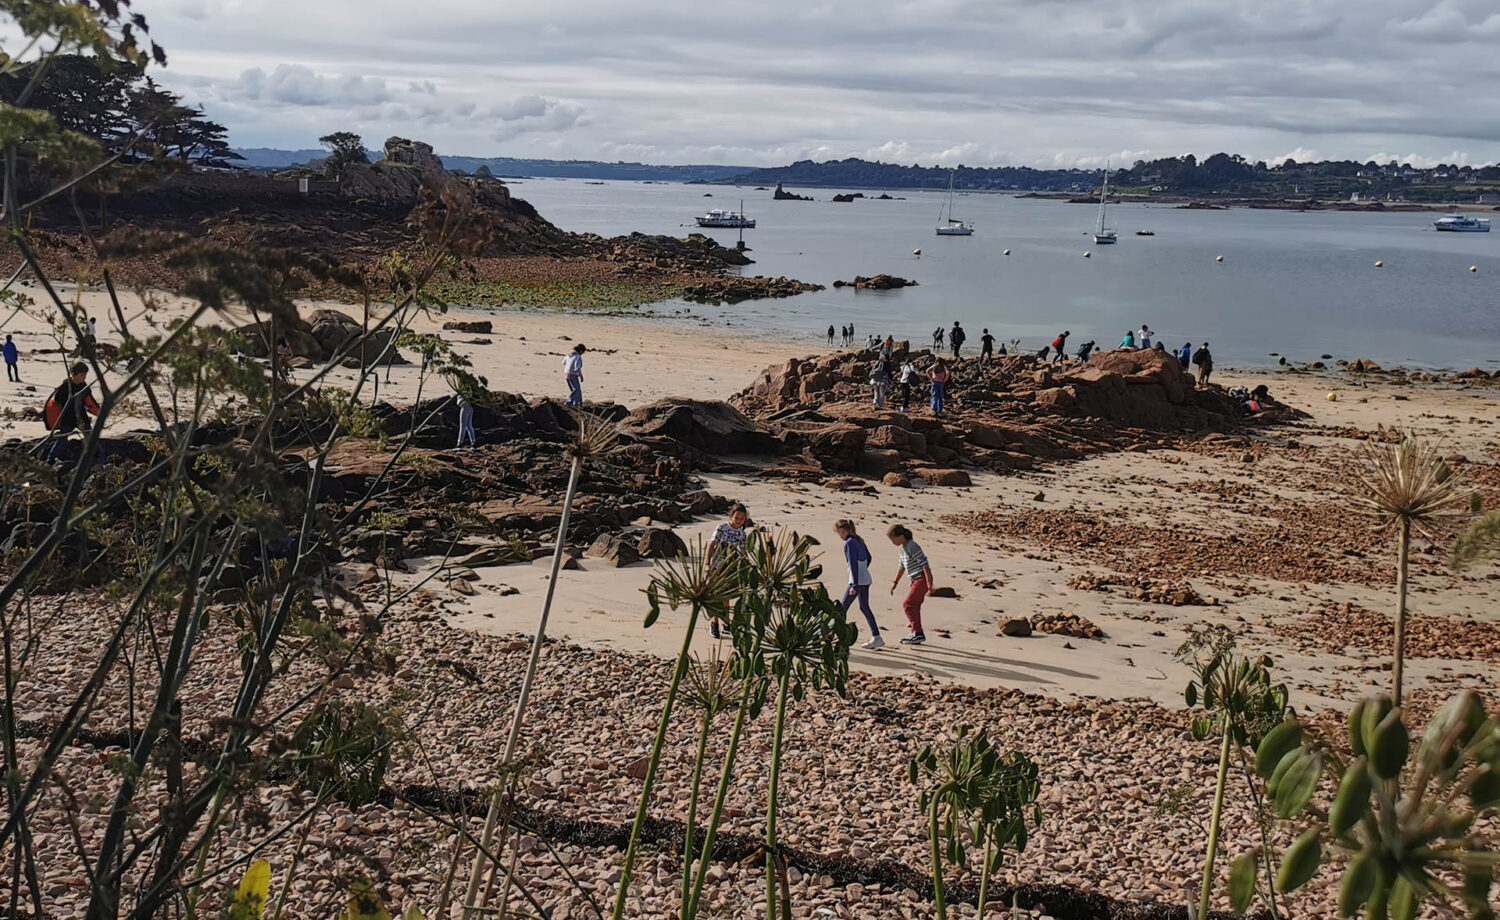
pixel 1299 284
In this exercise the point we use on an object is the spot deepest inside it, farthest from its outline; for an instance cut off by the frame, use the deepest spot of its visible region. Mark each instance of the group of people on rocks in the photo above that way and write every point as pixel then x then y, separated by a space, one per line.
pixel 881 375
pixel 911 563
pixel 883 379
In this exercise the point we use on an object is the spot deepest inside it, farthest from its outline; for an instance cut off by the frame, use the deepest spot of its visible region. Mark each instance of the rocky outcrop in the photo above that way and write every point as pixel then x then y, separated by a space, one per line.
pixel 1003 415
pixel 881 282
pixel 707 427
pixel 848 197
pixel 478 326
pixel 734 289
pixel 782 194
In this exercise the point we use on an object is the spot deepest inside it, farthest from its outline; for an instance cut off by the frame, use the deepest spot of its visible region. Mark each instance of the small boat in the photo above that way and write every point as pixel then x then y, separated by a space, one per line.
pixel 1104 236
pixel 1145 233
pixel 952 226
pixel 719 217
pixel 1463 223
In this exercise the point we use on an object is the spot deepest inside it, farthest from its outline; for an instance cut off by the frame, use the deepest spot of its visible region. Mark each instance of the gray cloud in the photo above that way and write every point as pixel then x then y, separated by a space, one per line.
pixel 1043 82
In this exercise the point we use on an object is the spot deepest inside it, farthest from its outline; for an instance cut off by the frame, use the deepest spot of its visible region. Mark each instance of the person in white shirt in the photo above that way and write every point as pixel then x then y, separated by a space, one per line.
pixel 573 370
pixel 1143 338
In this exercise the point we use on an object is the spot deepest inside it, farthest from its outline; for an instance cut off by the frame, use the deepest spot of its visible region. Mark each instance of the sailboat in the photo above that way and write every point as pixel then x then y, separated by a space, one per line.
pixel 1104 236
pixel 952 226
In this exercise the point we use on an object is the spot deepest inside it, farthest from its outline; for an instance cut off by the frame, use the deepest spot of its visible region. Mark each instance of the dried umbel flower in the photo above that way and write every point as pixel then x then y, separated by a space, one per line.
pixel 596 437
pixel 1407 483
pixel 693 581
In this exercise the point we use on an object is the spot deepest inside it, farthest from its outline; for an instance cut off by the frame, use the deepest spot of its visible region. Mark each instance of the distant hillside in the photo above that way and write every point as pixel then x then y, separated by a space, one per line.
pixel 272 158
pixel 857 173
pixel 1170 178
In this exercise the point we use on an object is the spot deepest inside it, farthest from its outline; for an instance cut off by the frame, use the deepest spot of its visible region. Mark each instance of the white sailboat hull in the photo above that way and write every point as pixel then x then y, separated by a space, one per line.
pixel 955 231
pixel 1105 238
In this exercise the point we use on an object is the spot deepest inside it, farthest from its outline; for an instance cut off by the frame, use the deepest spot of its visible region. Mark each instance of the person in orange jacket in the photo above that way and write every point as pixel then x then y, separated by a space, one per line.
pixel 72 403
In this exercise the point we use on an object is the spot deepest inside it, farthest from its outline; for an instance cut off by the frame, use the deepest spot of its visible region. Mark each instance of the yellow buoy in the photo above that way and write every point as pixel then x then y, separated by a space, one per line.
pixel 916 252
pixel 1333 397
pixel 1473 268
pixel 1218 258
pixel 1007 252
pixel 1379 264
pixel 1086 253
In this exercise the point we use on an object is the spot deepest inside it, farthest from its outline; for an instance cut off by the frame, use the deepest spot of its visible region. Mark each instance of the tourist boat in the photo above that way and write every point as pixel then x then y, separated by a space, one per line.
pixel 719 217
pixel 951 226
pixel 1103 235
pixel 1463 223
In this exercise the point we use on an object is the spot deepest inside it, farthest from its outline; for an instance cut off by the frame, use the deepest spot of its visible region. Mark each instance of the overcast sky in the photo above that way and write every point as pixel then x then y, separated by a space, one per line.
pixel 982 82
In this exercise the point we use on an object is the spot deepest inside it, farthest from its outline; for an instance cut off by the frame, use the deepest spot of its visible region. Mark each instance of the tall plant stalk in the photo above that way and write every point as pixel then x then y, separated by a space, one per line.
pixel 783 687
pixel 1406 486
pixel 1403 557
pixel 690 908
pixel 692 815
pixel 492 817
pixel 934 833
pixel 1206 895
pixel 651 765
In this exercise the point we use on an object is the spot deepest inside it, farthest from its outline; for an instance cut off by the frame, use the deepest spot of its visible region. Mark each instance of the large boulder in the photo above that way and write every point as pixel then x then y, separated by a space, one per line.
pixel 259 342
pixel 335 331
pixel 403 152
pixel 712 427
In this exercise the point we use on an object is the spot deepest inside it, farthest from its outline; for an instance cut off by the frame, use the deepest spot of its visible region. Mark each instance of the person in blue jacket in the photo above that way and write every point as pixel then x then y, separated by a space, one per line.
pixel 857 557
pixel 1185 355
pixel 12 355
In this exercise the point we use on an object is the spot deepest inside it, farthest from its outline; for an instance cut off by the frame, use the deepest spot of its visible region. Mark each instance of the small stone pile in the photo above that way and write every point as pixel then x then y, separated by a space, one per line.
pixel 1141 588
pixel 1066 624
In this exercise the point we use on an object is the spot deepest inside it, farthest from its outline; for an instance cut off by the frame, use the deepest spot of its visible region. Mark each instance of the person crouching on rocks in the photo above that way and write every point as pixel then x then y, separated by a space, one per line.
pixel 728 541
pixel 939 376
pixel 914 565
pixel 857 557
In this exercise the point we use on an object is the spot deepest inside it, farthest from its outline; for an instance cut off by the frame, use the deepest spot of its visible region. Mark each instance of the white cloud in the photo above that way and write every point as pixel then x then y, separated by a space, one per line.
pixel 1300 155
pixel 296 84
pixel 533 114
pixel 980 82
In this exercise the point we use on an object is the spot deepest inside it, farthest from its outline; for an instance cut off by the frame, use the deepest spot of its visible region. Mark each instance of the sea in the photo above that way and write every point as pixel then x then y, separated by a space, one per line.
pixel 1259 285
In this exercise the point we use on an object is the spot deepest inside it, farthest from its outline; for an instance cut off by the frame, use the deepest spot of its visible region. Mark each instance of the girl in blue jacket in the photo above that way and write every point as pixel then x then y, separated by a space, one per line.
pixel 857 558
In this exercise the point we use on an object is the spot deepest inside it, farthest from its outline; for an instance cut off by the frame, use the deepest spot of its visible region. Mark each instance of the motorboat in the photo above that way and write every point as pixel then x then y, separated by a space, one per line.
pixel 726 219
pixel 1463 223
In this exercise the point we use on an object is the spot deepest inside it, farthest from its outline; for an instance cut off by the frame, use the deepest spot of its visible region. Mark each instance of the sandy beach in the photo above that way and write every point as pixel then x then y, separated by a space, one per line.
pixel 1194 494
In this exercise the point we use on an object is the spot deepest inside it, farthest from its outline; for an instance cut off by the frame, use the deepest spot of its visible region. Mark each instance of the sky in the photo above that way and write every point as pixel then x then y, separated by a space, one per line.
pixel 1046 83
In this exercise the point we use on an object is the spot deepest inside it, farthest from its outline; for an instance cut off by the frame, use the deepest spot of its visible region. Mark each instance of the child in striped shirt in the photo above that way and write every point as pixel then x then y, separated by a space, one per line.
pixel 914 565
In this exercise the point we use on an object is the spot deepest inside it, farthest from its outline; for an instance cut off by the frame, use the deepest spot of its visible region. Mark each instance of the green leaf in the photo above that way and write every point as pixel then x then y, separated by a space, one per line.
pixel 1298 783
pixel 1300 862
pixel 1277 743
pixel 1358 884
pixel 1242 877
pixel 1352 802
pixel 1192 693
pixel 1404 899
pixel 254 889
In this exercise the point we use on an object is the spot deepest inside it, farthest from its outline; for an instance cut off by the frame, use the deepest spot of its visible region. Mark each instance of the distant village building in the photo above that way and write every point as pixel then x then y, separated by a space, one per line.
pixel 1489 197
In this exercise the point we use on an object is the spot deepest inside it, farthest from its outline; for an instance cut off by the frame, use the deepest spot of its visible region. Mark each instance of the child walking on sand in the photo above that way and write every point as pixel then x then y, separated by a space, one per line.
pixel 914 565
pixel 857 558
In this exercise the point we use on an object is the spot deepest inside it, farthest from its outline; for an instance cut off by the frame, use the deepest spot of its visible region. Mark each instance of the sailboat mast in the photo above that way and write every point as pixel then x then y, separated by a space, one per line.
pixel 1103 194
